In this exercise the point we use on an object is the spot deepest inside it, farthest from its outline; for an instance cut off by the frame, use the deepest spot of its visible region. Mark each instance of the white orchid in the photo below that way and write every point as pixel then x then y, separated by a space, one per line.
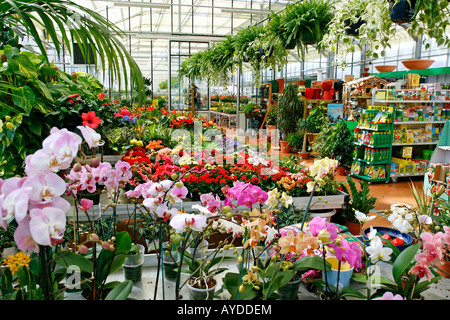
pixel 363 218
pixel 378 252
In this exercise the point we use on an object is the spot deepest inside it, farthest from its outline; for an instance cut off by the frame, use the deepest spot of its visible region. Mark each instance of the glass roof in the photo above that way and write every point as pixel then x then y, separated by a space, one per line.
pixel 150 25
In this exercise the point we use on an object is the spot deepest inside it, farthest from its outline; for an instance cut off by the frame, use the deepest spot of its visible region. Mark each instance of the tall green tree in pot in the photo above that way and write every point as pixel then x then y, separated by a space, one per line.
pixel 290 110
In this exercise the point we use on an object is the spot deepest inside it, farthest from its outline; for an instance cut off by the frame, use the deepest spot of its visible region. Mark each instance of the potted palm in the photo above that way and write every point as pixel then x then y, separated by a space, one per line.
pixel 290 110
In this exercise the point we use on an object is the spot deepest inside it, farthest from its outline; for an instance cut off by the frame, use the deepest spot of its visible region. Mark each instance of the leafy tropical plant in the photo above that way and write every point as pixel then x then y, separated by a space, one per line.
pixel 335 142
pixel 360 199
pixel 295 140
pixel 315 120
pixel 290 109
pixel 65 21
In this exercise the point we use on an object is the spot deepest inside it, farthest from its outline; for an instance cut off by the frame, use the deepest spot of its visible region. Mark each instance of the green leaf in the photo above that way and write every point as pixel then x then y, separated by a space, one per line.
pixel 66 259
pixel 24 97
pixel 403 261
pixel 120 292
pixel 311 262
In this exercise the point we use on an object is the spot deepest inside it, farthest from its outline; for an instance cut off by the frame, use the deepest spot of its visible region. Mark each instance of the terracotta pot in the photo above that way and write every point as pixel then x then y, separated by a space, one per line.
pixel 303 155
pixel 386 68
pixel 341 171
pixel 285 147
pixel 353 228
pixel 417 64
pixel 444 270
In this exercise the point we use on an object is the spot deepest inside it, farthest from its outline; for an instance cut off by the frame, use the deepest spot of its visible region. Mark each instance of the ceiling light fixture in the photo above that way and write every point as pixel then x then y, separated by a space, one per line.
pixel 138 4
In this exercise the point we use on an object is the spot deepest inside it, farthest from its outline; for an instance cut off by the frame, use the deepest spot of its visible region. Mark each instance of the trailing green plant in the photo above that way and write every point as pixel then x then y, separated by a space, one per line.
pixel 290 110
pixel 305 23
pixel 360 199
pixel 376 30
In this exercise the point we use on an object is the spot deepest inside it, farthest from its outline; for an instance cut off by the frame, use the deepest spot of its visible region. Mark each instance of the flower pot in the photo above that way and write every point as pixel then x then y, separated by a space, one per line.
pixel 170 265
pixel 386 68
pixel 271 127
pixel 317 92
pixel 309 93
pixel 353 28
pixel 444 270
pixel 285 147
pixel 341 171
pixel 345 274
pixel 417 64
pixel 401 12
pixel 201 293
pixel 290 290
pixel 132 267
pixel 353 227
pixel 133 273
pixel 323 213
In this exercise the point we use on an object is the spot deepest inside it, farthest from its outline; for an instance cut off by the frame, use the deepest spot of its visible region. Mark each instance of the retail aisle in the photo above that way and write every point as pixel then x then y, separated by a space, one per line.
pixel 386 194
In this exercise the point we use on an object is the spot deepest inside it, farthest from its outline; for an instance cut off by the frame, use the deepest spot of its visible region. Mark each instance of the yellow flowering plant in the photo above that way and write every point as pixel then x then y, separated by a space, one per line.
pixel 19 276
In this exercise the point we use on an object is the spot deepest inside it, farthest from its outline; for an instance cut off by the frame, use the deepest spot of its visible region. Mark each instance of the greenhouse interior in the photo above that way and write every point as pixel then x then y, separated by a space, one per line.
pixel 233 150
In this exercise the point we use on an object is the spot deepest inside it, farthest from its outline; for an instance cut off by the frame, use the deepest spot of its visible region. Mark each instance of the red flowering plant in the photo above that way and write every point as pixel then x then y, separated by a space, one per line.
pixel 71 110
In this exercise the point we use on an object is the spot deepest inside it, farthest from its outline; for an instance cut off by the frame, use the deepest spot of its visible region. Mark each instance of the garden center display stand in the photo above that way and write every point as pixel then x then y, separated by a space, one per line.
pixel 373 148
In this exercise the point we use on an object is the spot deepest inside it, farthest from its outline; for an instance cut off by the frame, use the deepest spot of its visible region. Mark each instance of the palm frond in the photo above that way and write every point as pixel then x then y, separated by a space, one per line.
pixel 66 22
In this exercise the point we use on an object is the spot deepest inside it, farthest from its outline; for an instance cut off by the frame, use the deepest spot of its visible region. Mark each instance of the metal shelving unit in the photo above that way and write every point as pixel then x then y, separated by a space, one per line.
pixel 394 176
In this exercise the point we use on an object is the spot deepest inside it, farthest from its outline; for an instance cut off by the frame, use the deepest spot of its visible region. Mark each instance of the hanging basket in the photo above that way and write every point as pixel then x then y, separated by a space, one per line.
pixel 401 12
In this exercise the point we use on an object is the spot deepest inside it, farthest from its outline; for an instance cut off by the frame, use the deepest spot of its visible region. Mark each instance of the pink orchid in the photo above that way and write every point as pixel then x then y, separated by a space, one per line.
pixel 86 204
pixel 318 224
pixel 421 269
pixel 62 144
pixel 163 211
pixel 179 193
pixel 348 252
pixel 195 222
pixel 47 225
pixel 389 296
pixel 23 238
pixel 14 204
pixel 92 138
pixel 44 187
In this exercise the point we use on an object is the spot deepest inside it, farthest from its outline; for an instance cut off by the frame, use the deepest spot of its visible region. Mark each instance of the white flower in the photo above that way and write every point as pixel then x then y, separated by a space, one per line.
pixel 377 252
pixel 93 139
pixel 425 219
pixel 310 187
pixel 372 234
pixel 362 218
pixel 286 200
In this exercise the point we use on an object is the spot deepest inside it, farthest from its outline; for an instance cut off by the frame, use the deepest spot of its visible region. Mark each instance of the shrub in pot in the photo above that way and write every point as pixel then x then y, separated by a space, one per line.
pixel 290 110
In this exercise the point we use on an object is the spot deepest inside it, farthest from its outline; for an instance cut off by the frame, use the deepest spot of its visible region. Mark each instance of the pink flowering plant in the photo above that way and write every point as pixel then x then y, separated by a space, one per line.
pixel 36 203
